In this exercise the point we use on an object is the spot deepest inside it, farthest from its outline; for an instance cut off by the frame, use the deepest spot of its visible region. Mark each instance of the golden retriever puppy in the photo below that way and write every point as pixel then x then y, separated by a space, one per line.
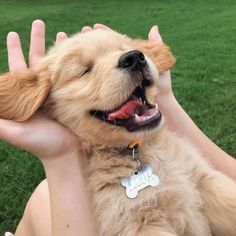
pixel 143 180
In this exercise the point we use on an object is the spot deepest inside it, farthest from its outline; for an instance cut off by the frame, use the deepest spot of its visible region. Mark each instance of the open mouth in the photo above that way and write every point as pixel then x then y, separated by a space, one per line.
pixel 134 114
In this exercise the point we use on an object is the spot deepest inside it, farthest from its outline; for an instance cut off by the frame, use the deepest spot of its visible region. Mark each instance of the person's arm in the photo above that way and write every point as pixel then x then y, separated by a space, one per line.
pixel 55 146
pixel 179 122
pixel 62 160
pixel 70 202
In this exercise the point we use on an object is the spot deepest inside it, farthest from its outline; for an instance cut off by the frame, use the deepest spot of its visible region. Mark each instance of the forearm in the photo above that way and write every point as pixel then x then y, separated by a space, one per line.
pixel 70 206
pixel 179 122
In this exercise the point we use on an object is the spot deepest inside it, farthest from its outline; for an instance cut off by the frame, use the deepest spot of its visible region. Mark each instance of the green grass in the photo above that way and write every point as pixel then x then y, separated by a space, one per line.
pixel 202 35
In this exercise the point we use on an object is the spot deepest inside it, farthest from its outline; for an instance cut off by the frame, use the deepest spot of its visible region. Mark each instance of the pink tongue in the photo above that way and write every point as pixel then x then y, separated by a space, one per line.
pixel 126 111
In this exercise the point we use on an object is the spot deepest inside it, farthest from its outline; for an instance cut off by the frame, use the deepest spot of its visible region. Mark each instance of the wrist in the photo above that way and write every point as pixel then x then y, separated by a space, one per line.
pixel 62 163
pixel 69 196
pixel 64 171
pixel 171 110
pixel 166 103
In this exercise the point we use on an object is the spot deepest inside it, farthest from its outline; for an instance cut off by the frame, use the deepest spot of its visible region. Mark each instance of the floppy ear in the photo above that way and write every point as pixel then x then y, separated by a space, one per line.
pixel 158 52
pixel 22 93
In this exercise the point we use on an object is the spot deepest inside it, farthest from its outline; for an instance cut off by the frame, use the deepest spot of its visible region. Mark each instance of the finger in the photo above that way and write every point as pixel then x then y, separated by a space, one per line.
pixel 13 131
pixel 37 42
pixel 61 36
pixel 101 26
pixel 154 35
pixel 16 60
pixel 86 29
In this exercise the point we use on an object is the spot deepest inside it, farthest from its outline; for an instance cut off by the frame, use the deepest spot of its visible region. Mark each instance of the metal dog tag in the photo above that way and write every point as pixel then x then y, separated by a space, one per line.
pixel 139 181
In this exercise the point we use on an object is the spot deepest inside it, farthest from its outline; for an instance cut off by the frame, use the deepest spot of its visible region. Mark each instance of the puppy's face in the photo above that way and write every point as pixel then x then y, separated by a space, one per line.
pixel 102 85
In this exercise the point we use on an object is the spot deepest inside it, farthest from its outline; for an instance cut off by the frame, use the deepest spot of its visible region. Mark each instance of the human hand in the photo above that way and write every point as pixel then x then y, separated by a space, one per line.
pixel 39 135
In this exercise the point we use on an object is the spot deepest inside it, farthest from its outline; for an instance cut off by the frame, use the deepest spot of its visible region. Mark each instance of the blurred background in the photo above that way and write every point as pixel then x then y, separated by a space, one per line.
pixel 201 35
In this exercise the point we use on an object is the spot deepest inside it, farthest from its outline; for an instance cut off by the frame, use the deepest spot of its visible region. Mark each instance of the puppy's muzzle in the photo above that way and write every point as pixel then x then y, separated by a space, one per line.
pixel 134 61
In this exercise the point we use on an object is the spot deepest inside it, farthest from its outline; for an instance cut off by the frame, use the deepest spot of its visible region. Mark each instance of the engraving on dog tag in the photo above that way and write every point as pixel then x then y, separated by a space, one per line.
pixel 139 181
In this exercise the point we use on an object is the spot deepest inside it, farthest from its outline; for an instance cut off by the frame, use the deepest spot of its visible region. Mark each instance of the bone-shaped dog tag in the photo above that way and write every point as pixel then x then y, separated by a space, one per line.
pixel 139 181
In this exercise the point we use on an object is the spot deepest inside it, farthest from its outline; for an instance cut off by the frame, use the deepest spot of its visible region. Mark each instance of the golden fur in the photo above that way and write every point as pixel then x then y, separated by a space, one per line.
pixel 192 198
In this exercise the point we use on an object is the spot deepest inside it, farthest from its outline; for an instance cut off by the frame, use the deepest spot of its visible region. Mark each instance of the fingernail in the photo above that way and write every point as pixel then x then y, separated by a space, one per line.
pixel 12 38
pixel 38 22
pixel 86 29
pixel 12 34
pixel 61 36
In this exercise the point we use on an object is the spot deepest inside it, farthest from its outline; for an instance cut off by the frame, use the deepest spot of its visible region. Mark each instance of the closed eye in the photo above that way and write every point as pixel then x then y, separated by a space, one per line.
pixel 86 70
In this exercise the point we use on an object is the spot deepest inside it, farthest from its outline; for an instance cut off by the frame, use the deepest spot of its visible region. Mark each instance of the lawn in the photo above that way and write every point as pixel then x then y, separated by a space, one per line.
pixel 201 34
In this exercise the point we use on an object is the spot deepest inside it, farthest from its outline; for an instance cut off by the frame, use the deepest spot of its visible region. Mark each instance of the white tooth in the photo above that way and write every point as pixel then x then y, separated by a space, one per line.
pixel 136 116
pixel 144 102
pixel 156 106
pixel 140 99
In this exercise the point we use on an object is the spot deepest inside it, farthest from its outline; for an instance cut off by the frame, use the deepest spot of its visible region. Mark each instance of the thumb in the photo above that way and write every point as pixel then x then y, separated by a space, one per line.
pixel 154 35
pixel 10 131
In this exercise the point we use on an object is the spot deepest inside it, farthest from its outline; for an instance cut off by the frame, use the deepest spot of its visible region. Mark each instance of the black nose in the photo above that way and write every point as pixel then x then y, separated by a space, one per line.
pixel 133 60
